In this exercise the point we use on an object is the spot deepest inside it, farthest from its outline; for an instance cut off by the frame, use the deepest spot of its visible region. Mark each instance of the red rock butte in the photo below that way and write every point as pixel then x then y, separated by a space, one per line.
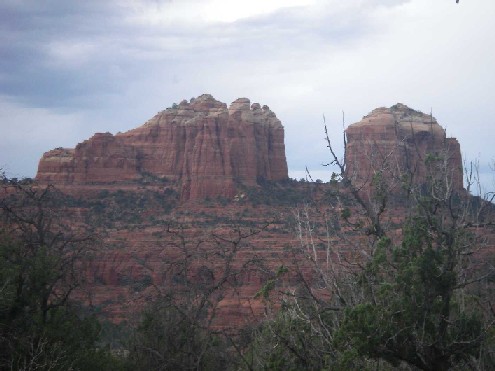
pixel 207 150
pixel 203 146
pixel 398 141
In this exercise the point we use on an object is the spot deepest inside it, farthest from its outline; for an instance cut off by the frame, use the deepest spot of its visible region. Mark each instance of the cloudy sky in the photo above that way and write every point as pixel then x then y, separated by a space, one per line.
pixel 71 68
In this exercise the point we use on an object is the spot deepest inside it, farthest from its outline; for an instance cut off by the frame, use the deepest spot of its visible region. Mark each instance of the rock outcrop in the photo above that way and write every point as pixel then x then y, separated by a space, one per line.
pixel 202 145
pixel 402 145
pixel 207 149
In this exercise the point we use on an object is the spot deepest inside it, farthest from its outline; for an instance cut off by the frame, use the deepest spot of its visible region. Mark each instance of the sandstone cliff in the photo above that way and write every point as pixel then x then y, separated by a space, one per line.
pixel 401 144
pixel 202 145
pixel 207 148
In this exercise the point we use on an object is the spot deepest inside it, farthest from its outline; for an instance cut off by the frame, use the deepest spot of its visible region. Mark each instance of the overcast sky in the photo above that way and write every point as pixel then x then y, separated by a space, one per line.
pixel 69 69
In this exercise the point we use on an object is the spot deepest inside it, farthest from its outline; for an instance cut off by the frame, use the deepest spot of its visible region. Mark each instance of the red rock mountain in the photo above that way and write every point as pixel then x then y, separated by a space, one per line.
pixel 208 149
pixel 203 145
pixel 400 142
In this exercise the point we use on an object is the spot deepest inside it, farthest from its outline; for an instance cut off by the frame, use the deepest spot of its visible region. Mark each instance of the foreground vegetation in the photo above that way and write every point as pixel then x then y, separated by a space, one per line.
pixel 418 295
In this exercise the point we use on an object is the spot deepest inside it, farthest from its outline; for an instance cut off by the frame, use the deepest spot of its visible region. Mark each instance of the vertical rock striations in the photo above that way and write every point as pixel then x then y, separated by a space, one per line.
pixel 400 144
pixel 203 145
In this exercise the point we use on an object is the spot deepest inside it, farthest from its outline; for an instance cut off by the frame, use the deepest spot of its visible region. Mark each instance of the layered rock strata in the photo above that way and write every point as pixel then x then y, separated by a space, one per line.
pixel 402 145
pixel 202 145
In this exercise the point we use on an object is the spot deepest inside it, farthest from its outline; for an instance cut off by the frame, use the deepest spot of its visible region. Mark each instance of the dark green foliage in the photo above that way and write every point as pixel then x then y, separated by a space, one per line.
pixel 287 193
pixel 40 327
pixel 297 339
pixel 171 337
pixel 288 343
pixel 264 291
pixel 122 208
pixel 345 213
pixel 416 310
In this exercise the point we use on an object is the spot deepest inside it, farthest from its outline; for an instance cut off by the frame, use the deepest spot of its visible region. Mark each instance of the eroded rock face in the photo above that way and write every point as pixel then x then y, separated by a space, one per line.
pixel 203 145
pixel 403 145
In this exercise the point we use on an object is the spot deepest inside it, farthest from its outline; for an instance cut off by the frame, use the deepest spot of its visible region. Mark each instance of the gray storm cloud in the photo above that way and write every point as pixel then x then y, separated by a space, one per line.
pixel 74 68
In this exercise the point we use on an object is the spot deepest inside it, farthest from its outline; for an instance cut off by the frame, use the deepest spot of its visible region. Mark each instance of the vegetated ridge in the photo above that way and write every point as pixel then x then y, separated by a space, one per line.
pixel 210 173
pixel 187 242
